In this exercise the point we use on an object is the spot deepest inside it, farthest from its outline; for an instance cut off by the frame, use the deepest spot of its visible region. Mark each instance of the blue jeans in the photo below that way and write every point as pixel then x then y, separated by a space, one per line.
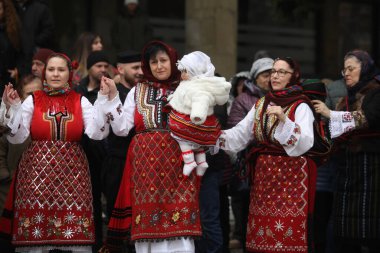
pixel 212 239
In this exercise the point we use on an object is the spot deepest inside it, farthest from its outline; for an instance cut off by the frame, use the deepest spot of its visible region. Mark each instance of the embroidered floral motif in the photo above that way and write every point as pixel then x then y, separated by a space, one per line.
pixel 347 117
pixel 297 129
pixel 176 216
pixel 118 109
pixel 70 218
pixel 292 141
pixel 37 232
pixel 68 233
pixel 109 117
pixel 138 219
pixel 348 129
pixel 222 142
pixel 38 218
pixel 155 217
pixel 54 226
pixel 279 225
pixel 193 217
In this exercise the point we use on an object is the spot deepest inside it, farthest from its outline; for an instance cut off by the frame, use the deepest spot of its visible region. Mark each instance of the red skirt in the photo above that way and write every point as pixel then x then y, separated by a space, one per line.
pixel 52 200
pixel 282 201
pixel 205 134
pixel 155 202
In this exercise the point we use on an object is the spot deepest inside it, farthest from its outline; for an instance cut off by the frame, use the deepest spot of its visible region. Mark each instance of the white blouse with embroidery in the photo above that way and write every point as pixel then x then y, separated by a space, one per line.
pixel 296 137
pixel 18 118
pixel 340 123
pixel 123 116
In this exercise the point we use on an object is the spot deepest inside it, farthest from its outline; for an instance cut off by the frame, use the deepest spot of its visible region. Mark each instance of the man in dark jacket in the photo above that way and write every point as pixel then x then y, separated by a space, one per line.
pixel 131 28
pixel 37 30
pixel 97 65
pixel 129 68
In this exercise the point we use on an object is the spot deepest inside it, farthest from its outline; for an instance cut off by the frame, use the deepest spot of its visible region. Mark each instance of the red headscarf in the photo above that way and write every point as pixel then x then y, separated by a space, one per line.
pixel 175 74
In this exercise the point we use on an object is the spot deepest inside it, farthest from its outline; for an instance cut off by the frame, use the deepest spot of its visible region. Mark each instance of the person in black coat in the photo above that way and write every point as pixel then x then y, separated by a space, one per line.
pixel 129 68
pixel 37 30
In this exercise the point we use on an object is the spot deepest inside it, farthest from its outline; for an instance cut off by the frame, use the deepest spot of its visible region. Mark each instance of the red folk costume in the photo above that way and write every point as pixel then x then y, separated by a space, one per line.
pixel 52 201
pixel 284 175
pixel 155 202
pixel 282 193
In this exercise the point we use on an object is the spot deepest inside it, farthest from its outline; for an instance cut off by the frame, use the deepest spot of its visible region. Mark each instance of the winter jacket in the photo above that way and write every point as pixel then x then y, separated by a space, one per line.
pixel 243 104
pixel 198 97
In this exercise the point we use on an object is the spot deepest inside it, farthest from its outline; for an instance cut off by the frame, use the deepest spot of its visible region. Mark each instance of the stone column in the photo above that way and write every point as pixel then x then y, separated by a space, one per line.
pixel 211 27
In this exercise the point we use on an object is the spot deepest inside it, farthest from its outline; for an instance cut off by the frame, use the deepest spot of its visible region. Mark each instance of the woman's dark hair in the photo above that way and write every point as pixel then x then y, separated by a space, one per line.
pixel 83 47
pixel 12 23
pixel 152 51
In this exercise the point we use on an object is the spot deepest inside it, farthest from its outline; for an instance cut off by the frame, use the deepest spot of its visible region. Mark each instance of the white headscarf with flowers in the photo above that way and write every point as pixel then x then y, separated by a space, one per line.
pixel 197 64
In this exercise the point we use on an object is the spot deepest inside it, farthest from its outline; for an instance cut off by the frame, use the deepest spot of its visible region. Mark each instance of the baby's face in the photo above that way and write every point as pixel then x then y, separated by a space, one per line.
pixel 184 75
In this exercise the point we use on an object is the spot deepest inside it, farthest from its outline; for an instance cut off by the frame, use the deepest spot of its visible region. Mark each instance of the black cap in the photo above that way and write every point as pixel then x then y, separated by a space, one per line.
pixel 95 57
pixel 128 56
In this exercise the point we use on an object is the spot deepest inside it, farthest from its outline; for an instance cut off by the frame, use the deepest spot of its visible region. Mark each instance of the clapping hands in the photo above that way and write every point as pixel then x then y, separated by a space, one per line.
pixel 10 96
pixel 108 87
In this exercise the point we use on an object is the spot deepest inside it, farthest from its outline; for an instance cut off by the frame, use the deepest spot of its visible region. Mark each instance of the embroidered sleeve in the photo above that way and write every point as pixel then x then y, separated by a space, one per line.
pixel 238 137
pixel 94 119
pixel 121 117
pixel 287 133
pixel 297 137
pixel 18 119
pixel 343 122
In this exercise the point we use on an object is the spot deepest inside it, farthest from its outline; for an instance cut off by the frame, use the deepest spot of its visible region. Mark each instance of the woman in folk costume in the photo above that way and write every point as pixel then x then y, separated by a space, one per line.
pixel 156 203
pixel 283 180
pixel 49 206
pixel 192 122
pixel 355 129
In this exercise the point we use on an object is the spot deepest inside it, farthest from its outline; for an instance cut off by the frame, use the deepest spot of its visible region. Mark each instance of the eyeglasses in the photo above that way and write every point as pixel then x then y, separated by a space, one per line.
pixel 280 72
pixel 349 69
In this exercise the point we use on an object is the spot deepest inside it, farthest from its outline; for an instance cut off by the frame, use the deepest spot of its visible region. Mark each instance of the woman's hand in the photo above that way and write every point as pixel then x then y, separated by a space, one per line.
pixel 10 96
pixel 321 108
pixel 277 111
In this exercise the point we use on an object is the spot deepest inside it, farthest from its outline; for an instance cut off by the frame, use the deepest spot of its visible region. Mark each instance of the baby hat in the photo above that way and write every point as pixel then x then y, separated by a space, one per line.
pixel 197 64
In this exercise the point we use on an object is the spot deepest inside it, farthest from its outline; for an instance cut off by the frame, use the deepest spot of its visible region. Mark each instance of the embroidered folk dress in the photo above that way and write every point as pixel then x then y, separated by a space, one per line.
pixel 281 197
pixel 51 194
pixel 155 202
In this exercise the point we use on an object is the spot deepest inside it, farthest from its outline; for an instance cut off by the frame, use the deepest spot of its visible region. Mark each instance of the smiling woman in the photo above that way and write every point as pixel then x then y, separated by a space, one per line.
pixel 283 178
